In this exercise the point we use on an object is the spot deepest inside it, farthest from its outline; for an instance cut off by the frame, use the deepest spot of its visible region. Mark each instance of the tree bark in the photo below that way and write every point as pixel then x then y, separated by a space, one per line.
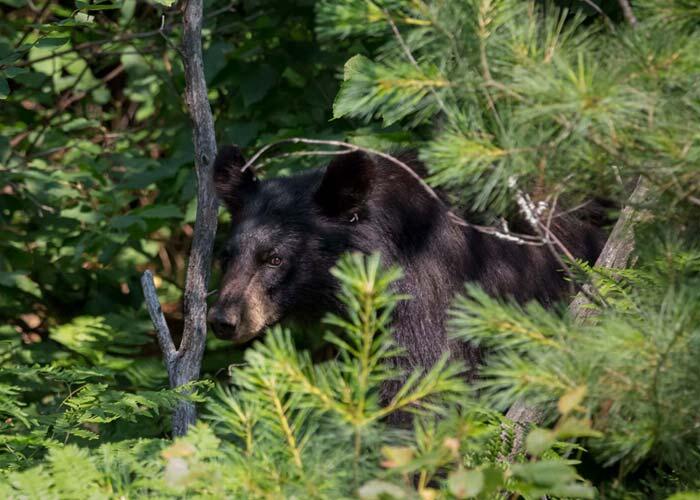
pixel 184 363
pixel 618 248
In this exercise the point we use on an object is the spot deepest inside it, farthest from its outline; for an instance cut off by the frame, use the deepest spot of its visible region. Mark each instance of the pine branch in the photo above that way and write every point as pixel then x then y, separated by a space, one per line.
pixel 615 254
pixel 620 244
pixel 412 60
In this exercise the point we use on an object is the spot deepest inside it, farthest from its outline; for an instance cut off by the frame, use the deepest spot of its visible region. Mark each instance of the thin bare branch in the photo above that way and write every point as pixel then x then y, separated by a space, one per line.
pixel 628 13
pixel 163 32
pixel 350 148
pixel 520 239
pixel 184 364
pixel 165 340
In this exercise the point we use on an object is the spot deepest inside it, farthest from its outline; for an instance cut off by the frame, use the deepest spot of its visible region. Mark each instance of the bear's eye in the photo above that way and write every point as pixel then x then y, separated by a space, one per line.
pixel 274 261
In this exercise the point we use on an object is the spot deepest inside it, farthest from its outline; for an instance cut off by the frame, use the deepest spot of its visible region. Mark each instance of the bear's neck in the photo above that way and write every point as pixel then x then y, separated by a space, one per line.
pixel 412 230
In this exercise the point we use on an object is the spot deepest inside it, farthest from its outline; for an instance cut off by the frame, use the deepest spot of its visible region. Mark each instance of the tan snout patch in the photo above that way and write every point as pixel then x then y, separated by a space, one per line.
pixel 257 312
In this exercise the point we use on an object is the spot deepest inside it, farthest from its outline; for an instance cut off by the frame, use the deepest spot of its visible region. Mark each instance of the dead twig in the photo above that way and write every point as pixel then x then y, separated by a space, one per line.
pixel 628 13
pixel 165 340
pixel 554 243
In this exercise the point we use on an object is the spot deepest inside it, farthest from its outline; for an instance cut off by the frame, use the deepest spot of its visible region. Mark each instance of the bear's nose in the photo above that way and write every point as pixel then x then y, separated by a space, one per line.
pixel 222 322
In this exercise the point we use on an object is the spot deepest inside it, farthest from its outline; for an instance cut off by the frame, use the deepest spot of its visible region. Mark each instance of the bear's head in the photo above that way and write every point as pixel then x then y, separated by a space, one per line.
pixel 286 234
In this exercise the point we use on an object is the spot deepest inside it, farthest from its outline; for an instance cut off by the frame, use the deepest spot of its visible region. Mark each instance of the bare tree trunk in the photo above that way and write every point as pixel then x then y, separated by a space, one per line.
pixel 618 248
pixel 184 363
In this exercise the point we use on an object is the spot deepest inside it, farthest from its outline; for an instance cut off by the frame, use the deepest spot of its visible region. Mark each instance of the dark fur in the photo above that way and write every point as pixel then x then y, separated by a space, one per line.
pixel 368 204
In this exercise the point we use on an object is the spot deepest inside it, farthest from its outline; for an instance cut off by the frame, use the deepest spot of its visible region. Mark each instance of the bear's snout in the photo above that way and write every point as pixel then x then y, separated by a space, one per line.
pixel 223 322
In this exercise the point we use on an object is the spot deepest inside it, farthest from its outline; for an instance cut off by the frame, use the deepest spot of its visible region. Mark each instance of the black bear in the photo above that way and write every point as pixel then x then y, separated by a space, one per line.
pixel 288 232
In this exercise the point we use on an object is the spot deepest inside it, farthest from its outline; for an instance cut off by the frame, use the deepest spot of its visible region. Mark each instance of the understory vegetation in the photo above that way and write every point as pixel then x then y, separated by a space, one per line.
pixel 516 107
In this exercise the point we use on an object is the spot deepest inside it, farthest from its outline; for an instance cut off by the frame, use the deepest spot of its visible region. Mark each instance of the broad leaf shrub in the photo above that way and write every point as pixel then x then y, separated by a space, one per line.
pixel 96 157
pixel 78 388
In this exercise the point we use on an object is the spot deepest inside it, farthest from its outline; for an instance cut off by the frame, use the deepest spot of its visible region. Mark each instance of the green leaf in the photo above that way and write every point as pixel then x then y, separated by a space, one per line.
pixel 14 71
pixel 81 213
pixel 572 427
pixel 79 124
pixel 50 42
pixel 464 483
pixel 569 401
pixel 545 473
pixel 686 495
pixel 397 456
pixel 4 88
pixel 143 179
pixel 493 479
pixel 539 441
pixel 215 59
pixel 573 490
pixel 378 490
pixel 159 212
pixel 125 221
pixel 257 83
pixel 20 281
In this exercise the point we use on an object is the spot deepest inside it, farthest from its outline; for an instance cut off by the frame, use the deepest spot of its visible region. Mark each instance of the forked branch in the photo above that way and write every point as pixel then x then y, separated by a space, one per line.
pixel 184 363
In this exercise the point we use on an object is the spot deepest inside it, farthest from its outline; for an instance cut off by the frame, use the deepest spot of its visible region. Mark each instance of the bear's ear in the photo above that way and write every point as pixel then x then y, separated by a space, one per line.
pixel 229 180
pixel 347 183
